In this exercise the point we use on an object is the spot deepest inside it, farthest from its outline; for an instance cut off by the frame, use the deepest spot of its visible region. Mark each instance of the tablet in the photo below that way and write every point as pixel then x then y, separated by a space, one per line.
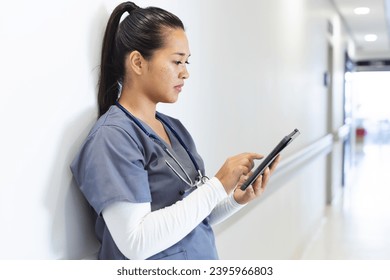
pixel 269 159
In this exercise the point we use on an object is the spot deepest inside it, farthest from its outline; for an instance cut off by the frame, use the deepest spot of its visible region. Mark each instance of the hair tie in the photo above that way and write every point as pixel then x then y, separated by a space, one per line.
pixel 130 7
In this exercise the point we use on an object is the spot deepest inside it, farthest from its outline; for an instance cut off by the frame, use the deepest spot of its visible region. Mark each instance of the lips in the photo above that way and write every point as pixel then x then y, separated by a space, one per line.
pixel 179 87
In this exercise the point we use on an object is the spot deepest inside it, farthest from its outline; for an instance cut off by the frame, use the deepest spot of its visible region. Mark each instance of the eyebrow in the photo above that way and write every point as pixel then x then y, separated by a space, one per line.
pixel 181 54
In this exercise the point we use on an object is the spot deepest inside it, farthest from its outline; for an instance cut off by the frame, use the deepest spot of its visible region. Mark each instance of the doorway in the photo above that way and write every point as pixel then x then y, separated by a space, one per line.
pixel 371 93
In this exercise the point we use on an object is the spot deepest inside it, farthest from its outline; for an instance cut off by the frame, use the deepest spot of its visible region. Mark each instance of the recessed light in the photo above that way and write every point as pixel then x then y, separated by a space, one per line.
pixel 361 11
pixel 370 38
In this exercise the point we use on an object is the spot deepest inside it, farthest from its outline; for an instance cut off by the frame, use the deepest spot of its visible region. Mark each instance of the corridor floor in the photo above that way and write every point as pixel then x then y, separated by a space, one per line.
pixel 357 225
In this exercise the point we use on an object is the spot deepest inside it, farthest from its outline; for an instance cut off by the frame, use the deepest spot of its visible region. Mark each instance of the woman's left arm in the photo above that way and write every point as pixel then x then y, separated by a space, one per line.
pixel 238 199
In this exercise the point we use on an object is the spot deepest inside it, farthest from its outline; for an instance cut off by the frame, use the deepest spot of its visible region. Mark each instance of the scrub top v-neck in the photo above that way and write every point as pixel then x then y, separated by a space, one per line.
pixel 119 162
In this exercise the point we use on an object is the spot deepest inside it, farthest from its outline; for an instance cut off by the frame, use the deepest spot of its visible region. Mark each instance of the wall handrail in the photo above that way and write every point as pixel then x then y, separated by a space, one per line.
pixel 304 155
pixel 321 147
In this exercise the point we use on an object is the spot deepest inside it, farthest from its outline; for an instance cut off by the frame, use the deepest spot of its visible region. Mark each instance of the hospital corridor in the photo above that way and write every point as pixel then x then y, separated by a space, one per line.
pixel 256 70
pixel 357 225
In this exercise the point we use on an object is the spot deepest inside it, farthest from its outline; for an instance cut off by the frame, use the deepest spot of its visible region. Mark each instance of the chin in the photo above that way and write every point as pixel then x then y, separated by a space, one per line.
pixel 172 99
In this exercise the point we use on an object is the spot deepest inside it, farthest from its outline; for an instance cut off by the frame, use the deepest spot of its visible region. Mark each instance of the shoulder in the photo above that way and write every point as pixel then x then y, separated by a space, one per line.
pixel 114 117
pixel 115 125
pixel 112 137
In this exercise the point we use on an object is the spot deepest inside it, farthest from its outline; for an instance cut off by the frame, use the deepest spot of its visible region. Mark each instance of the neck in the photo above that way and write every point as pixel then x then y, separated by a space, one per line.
pixel 139 106
pixel 143 108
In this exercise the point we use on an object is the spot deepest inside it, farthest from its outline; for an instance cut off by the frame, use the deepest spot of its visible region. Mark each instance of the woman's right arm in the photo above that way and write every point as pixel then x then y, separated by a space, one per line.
pixel 140 233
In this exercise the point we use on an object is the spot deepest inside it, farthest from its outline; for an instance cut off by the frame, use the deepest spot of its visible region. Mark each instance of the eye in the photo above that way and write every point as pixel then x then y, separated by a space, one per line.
pixel 178 62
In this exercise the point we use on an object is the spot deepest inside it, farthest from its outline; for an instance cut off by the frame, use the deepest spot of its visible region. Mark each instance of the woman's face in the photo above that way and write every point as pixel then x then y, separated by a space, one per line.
pixel 166 71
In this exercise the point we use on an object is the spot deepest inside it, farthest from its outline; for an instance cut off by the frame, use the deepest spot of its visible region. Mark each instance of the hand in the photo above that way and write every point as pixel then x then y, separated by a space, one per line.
pixel 234 167
pixel 258 187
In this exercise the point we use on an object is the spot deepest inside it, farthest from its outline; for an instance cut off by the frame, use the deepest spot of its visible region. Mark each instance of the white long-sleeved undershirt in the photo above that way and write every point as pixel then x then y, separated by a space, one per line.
pixel 140 233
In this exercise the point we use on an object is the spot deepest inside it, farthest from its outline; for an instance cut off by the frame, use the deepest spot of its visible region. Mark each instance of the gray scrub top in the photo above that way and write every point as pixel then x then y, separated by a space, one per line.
pixel 119 162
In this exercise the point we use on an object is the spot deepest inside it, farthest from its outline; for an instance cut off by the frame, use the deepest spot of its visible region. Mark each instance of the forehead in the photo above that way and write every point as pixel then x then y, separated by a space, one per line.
pixel 175 42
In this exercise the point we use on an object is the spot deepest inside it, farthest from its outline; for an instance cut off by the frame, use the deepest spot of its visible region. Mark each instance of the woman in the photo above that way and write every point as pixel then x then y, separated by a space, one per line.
pixel 138 168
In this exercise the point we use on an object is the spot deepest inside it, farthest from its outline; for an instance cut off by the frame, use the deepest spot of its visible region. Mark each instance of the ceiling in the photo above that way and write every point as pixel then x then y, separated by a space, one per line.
pixel 377 22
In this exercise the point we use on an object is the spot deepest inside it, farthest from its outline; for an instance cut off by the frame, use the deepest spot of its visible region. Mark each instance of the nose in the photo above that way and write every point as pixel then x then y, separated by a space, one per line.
pixel 184 74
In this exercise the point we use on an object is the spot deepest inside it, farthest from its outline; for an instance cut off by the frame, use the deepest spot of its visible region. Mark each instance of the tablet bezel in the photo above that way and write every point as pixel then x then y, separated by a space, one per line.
pixel 270 158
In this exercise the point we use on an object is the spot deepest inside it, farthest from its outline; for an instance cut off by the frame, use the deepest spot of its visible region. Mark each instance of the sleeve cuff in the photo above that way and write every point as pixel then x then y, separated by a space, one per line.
pixel 234 203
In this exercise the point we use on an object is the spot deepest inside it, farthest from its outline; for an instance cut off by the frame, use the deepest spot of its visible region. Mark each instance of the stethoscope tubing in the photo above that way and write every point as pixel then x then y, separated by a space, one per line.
pixel 202 178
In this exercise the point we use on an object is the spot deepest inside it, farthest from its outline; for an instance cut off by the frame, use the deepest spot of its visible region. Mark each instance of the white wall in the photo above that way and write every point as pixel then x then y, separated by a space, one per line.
pixel 256 73
pixel 49 53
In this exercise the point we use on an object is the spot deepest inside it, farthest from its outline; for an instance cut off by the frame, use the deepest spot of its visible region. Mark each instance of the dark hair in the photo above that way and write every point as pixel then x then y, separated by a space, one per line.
pixel 141 30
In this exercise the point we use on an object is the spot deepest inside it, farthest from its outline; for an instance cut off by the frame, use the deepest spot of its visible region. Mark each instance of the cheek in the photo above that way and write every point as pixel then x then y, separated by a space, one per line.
pixel 167 72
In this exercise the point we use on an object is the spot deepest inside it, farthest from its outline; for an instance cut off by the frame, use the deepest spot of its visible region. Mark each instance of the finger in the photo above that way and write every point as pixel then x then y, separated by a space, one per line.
pixel 246 159
pixel 275 163
pixel 266 176
pixel 246 164
pixel 250 190
pixel 260 186
pixel 243 178
pixel 253 155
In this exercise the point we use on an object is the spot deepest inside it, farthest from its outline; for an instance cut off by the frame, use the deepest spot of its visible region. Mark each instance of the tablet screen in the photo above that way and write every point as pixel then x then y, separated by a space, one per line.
pixel 270 157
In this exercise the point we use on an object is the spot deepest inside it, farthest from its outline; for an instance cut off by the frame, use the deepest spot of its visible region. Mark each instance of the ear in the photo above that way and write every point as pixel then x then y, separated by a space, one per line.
pixel 136 62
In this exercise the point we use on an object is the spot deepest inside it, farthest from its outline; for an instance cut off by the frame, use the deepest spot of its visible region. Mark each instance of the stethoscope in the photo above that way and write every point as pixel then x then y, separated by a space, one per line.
pixel 200 178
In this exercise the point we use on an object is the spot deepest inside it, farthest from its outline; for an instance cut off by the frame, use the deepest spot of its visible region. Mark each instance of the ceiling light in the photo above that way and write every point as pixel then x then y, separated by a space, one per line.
pixel 370 38
pixel 362 11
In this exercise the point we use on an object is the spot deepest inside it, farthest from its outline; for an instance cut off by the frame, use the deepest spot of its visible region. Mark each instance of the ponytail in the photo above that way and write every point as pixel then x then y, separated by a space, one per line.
pixel 141 30
pixel 110 75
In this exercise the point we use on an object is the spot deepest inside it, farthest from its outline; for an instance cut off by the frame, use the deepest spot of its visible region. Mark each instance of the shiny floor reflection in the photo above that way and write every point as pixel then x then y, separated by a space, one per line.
pixel 357 227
